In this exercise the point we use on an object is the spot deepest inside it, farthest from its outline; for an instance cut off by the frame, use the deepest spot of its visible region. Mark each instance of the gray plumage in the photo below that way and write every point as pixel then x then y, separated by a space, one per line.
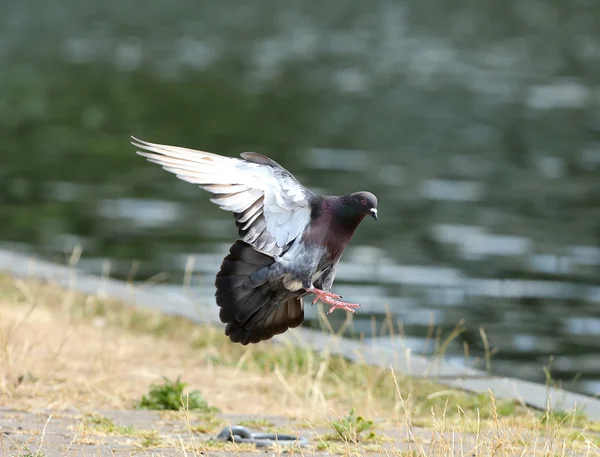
pixel 291 239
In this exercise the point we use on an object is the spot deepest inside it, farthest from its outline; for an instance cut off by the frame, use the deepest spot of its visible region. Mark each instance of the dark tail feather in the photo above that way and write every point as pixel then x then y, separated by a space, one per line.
pixel 253 309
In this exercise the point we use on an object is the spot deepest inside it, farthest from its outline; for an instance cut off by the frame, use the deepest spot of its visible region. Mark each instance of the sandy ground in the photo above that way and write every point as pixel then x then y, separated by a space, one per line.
pixel 53 362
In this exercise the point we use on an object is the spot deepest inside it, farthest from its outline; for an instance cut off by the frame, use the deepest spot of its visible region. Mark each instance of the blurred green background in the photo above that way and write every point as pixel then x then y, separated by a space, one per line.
pixel 477 124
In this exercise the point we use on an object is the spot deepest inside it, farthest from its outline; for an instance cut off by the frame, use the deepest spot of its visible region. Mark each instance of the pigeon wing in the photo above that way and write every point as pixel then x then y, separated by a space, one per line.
pixel 270 206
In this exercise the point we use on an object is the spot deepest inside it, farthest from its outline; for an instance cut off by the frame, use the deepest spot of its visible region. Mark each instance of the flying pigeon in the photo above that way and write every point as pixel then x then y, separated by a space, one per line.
pixel 291 238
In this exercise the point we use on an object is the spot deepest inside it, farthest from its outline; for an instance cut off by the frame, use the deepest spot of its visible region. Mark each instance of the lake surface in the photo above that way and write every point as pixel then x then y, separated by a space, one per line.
pixel 477 125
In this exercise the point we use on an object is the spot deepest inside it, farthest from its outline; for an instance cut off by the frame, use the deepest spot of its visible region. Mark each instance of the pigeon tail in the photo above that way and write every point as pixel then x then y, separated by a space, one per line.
pixel 253 308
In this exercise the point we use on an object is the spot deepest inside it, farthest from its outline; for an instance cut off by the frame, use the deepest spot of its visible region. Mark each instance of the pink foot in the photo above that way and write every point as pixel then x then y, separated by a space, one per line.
pixel 320 294
pixel 330 299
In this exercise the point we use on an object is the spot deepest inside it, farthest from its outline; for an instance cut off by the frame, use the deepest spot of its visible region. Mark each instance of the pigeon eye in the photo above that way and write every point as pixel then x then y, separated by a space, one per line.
pixel 363 201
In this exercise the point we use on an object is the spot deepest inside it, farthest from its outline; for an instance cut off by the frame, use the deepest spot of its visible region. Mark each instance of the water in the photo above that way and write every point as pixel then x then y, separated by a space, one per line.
pixel 477 126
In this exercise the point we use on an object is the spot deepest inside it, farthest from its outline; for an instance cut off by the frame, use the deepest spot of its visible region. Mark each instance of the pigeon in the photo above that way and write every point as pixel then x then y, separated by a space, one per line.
pixel 291 238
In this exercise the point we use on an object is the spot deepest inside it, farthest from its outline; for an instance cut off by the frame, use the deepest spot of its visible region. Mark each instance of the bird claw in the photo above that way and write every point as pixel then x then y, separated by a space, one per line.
pixel 335 304
pixel 330 299
pixel 319 294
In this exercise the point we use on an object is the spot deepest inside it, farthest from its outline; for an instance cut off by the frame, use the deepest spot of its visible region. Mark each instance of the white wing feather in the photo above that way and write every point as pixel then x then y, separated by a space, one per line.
pixel 271 207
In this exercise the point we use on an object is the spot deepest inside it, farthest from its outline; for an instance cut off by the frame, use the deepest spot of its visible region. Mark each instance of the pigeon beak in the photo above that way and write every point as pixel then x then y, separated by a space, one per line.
pixel 373 212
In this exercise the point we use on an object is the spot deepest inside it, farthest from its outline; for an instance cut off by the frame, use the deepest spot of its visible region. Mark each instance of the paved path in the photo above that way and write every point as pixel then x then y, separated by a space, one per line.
pixel 147 433
pixel 64 435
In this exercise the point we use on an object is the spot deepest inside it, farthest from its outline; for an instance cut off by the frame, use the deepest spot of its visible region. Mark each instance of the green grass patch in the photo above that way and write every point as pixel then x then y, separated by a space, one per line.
pixel 106 426
pixel 572 418
pixel 353 428
pixel 150 438
pixel 207 424
pixel 170 396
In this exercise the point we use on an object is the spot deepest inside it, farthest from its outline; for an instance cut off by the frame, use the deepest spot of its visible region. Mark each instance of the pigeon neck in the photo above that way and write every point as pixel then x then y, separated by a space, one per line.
pixel 345 213
pixel 333 223
pixel 342 218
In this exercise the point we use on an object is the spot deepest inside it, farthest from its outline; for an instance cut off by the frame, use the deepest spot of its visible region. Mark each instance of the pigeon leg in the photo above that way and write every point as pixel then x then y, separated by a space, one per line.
pixel 320 294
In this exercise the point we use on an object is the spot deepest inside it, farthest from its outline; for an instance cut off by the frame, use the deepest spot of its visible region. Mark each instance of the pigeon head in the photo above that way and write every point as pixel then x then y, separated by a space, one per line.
pixel 363 203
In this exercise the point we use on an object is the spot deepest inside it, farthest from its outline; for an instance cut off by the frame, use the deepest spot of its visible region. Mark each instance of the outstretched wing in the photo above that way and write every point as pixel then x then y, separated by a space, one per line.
pixel 270 206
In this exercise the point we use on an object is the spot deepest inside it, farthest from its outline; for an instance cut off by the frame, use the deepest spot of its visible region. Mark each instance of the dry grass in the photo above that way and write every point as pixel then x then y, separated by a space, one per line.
pixel 60 349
